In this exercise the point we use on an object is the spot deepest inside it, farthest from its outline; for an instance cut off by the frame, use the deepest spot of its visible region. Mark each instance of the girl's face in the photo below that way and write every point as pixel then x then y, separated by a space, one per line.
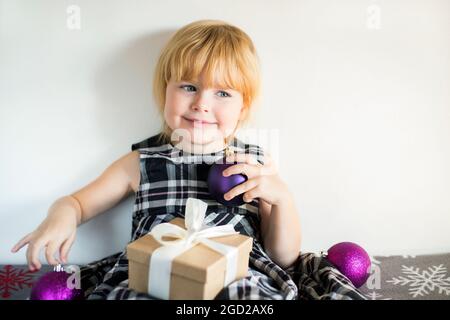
pixel 206 115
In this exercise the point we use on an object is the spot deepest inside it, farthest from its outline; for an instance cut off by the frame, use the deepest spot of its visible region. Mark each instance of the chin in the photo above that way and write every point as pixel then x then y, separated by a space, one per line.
pixel 201 136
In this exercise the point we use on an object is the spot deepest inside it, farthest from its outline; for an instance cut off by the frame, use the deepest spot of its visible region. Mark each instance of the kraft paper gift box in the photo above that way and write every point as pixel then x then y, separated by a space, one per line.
pixel 194 272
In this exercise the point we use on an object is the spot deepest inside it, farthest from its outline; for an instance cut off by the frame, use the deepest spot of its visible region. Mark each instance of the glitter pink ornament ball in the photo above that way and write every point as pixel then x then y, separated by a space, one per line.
pixel 54 285
pixel 351 260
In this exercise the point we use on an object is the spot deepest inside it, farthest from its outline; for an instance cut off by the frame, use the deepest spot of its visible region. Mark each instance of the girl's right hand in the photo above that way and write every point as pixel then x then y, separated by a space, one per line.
pixel 56 233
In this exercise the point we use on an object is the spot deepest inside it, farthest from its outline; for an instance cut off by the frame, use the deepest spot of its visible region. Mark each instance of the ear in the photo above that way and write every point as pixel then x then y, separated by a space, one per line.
pixel 244 112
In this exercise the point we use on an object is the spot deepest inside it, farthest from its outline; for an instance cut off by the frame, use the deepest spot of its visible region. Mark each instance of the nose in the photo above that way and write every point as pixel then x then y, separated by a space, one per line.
pixel 200 108
pixel 200 104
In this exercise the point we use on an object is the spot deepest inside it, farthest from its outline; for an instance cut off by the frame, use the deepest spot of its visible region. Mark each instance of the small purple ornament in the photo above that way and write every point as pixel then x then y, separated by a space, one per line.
pixel 351 260
pixel 219 185
pixel 55 285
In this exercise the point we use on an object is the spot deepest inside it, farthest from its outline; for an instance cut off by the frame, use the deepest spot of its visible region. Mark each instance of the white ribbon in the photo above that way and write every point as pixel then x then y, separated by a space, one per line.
pixel 196 232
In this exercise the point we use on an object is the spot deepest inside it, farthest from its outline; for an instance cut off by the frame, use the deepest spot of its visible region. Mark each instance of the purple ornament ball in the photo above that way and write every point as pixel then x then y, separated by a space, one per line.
pixel 54 285
pixel 218 185
pixel 351 260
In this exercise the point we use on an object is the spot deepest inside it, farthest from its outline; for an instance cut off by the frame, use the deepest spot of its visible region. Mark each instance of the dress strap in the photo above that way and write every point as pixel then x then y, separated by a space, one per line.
pixel 154 141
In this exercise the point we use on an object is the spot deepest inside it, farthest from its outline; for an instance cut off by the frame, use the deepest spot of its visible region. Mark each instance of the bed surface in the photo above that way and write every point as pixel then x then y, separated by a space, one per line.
pixel 422 277
pixel 393 277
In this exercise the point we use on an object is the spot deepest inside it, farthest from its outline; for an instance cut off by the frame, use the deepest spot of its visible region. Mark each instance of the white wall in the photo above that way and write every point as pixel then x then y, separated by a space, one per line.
pixel 361 107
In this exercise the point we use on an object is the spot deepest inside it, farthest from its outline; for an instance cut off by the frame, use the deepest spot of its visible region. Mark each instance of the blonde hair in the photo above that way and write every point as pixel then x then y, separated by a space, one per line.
pixel 223 51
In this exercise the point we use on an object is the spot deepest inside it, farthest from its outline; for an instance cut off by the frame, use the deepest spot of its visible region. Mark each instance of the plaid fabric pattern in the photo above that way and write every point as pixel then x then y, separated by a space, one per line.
pixel 168 177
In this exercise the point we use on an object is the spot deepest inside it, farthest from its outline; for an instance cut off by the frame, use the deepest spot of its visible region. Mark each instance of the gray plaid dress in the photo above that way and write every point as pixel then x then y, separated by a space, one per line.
pixel 168 178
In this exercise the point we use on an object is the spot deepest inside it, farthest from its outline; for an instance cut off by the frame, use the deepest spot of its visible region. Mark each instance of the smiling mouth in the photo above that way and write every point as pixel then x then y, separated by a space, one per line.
pixel 198 122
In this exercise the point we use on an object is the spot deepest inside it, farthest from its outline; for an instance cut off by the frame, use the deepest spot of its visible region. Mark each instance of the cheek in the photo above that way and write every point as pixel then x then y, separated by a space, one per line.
pixel 228 118
pixel 175 106
pixel 174 103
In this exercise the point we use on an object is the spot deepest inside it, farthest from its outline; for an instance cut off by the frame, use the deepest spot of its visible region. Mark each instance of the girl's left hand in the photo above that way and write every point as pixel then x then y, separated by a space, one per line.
pixel 263 180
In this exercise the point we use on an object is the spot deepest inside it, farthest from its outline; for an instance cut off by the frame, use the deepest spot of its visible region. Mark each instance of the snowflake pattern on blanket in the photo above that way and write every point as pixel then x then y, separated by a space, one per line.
pixel 423 282
pixel 169 177
pixel 14 279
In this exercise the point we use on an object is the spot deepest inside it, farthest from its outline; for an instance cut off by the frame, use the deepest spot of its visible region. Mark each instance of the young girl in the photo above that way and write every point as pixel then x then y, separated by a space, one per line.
pixel 205 83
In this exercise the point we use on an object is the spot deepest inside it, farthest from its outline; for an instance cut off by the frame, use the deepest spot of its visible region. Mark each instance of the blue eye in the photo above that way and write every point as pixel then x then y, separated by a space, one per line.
pixel 226 94
pixel 187 88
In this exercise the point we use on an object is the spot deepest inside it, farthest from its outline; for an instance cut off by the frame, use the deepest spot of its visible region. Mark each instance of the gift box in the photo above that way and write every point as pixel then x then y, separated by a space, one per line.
pixel 185 259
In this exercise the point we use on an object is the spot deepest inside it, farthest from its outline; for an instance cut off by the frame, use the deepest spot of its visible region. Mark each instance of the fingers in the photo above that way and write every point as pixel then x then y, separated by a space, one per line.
pixel 33 255
pixel 21 243
pixel 241 188
pixel 50 252
pixel 34 248
pixel 64 249
pixel 249 166
pixel 269 165
pixel 250 171
pixel 252 194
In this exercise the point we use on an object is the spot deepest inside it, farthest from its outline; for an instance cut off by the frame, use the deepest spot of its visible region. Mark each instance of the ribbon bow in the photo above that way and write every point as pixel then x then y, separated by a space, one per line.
pixel 196 232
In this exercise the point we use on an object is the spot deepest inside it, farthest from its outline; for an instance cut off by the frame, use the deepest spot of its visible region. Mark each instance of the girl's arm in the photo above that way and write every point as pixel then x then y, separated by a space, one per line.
pixel 280 228
pixel 118 181
pixel 57 231
pixel 280 222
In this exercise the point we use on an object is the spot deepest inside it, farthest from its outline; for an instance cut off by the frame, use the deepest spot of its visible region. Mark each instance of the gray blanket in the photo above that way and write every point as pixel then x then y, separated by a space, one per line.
pixel 392 277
